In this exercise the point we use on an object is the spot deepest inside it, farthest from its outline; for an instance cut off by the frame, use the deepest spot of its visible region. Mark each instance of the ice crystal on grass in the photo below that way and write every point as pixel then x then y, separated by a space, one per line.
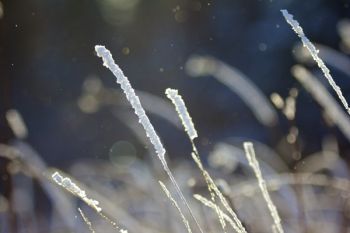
pixel 173 201
pixel 70 186
pixel 86 220
pixel 324 98
pixel 212 205
pixel 314 53
pixel 212 187
pixel 134 100
pixel 181 109
pixel 330 56
pixel 253 162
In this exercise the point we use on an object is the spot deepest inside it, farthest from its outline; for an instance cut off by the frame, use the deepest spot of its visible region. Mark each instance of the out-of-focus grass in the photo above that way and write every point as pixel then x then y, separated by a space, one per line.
pixel 310 196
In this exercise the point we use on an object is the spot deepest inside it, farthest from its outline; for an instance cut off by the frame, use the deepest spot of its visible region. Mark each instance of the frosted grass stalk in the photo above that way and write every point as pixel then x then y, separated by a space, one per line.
pixel 129 92
pixel 330 56
pixel 214 191
pixel 95 95
pixel 181 109
pixel 284 179
pixel 73 188
pixel 314 53
pixel 151 103
pixel 159 107
pixel 212 205
pixel 173 201
pixel 70 186
pixel 324 98
pixel 86 220
pixel 132 98
pixel 253 162
pixel 37 168
pixel 192 133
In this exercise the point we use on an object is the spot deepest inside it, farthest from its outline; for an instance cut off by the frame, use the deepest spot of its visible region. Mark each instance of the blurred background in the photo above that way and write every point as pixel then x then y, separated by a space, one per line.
pixel 73 109
pixel 47 52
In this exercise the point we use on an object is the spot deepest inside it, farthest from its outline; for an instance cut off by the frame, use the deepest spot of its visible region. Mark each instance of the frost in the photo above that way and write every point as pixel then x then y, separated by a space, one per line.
pixel 181 109
pixel 324 98
pixel 253 162
pixel 70 186
pixel 173 201
pixel 134 100
pixel 212 187
pixel 314 53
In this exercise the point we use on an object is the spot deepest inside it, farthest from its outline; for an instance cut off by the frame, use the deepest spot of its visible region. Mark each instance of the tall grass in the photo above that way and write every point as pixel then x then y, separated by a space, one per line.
pixel 273 200
pixel 314 53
